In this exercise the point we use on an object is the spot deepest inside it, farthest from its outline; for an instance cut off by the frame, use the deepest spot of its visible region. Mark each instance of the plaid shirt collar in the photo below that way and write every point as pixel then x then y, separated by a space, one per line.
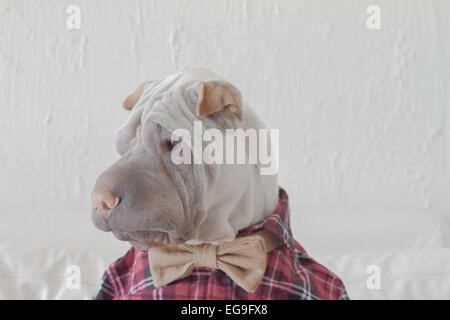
pixel 278 222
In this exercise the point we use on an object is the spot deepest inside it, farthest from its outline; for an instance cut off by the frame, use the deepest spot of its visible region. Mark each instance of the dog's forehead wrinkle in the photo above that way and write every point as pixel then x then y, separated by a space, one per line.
pixel 162 128
pixel 174 99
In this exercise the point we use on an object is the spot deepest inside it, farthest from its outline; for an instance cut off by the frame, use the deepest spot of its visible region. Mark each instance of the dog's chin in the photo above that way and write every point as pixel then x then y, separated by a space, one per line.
pixel 148 239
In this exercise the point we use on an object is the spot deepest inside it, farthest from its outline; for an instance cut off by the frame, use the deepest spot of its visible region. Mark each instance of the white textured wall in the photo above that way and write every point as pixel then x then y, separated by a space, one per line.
pixel 364 118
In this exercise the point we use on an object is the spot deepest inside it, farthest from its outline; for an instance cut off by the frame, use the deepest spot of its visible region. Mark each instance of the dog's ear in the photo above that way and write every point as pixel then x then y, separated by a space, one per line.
pixel 133 98
pixel 215 96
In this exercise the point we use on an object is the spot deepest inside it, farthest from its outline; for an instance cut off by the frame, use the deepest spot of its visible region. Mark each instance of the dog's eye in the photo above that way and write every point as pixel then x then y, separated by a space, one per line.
pixel 171 144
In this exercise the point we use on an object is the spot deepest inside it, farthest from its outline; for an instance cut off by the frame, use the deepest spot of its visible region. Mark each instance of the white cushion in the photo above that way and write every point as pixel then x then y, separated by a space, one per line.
pixel 416 274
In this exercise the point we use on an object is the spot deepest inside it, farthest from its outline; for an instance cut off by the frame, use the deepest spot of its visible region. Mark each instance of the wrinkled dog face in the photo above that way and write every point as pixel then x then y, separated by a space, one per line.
pixel 149 202
pixel 146 199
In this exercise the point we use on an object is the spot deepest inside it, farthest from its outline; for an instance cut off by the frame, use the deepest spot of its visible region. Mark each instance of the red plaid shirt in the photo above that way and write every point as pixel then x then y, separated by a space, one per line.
pixel 291 274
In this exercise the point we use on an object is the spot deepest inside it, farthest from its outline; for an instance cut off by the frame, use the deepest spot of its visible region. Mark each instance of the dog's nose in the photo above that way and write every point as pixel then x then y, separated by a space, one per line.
pixel 103 200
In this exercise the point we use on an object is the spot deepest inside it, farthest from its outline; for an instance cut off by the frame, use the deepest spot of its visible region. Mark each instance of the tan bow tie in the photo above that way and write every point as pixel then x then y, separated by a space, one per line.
pixel 243 260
